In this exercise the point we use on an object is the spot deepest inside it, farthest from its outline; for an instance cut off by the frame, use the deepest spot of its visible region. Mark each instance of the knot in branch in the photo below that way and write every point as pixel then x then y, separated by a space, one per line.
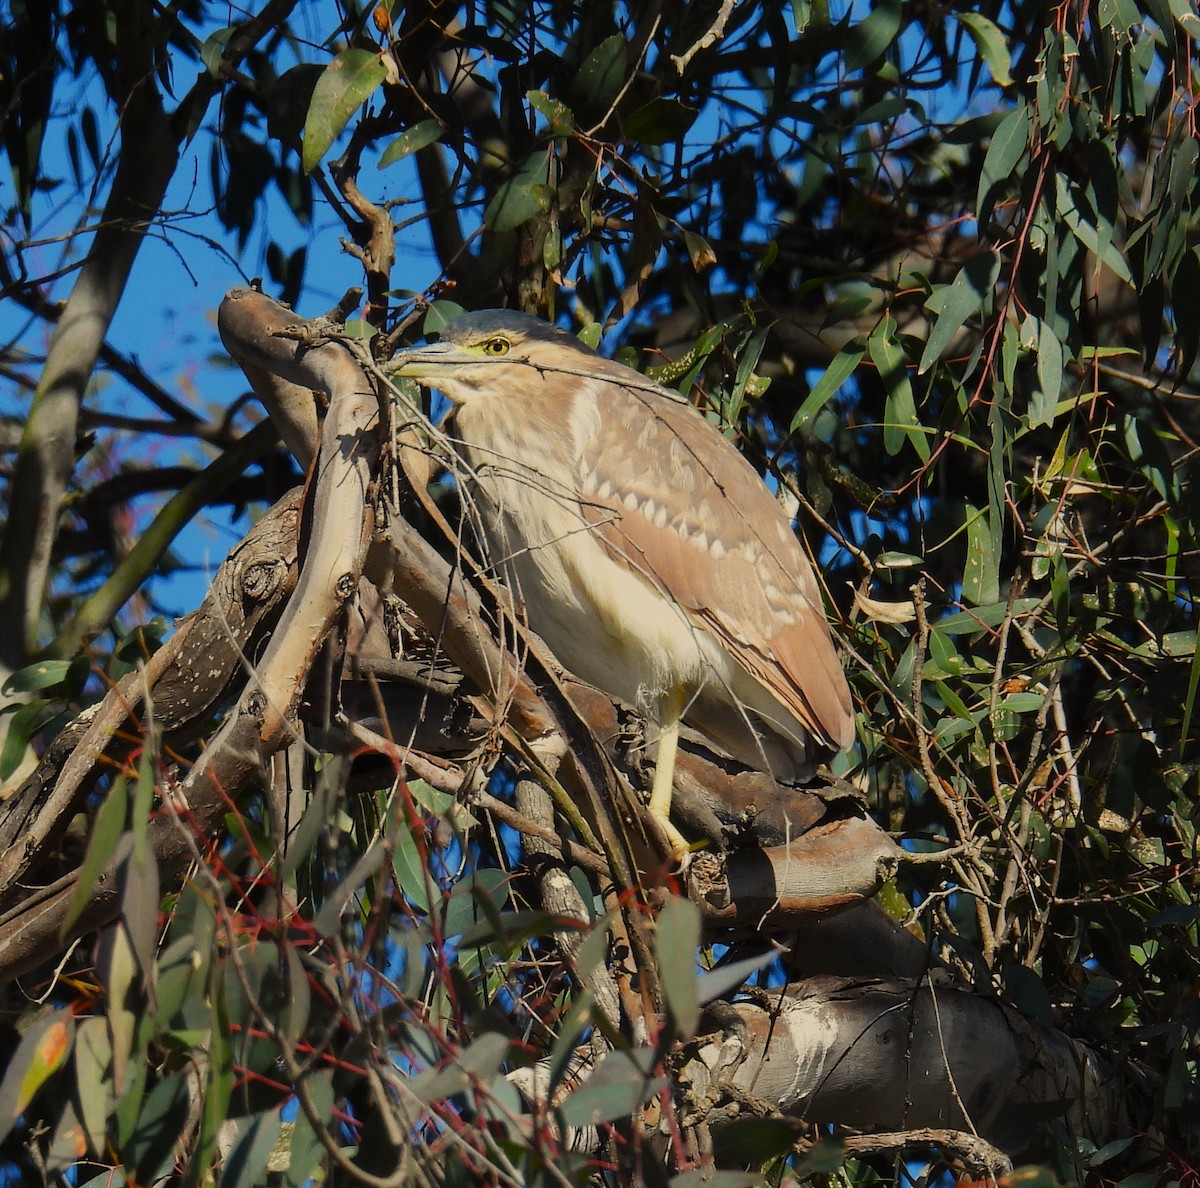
pixel 261 579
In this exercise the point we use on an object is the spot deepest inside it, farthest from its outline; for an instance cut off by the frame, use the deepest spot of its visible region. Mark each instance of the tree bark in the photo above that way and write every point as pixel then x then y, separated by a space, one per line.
pixel 887 1053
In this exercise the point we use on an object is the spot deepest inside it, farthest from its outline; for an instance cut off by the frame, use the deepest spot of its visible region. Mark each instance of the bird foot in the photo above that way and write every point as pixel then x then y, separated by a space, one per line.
pixel 682 850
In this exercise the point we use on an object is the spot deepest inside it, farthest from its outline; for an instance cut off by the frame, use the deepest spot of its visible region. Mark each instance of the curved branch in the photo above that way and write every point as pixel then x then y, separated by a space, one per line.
pixel 185 681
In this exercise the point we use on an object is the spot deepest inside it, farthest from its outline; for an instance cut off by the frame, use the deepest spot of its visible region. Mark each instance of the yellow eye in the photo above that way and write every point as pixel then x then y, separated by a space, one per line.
pixel 496 346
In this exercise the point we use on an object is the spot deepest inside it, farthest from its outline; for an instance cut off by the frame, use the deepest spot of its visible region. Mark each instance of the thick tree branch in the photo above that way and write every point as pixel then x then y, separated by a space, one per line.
pixel 897 1055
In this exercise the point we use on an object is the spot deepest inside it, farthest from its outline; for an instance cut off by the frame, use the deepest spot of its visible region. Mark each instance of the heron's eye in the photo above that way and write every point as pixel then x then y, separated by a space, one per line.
pixel 496 346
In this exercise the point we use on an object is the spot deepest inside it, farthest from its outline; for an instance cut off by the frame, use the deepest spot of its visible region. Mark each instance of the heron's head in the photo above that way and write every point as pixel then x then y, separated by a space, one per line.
pixel 492 351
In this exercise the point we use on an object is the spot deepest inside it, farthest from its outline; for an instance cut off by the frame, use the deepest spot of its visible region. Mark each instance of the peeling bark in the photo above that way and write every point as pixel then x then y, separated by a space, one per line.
pixel 901 1055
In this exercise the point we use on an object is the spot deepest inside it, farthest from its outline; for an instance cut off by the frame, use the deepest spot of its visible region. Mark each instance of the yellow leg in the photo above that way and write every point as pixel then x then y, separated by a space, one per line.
pixel 669 711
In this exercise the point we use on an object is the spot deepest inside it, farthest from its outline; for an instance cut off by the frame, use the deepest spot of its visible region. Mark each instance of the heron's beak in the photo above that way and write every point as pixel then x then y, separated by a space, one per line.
pixel 433 359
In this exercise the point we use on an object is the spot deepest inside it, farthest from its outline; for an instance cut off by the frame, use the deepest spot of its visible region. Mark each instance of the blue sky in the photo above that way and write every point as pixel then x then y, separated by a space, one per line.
pixel 166 320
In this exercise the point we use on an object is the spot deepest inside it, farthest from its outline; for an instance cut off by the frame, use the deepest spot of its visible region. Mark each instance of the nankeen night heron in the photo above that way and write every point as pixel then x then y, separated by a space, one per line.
pixel 646 551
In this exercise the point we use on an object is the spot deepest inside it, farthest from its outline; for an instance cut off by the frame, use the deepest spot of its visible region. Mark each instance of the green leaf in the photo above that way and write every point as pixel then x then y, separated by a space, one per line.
pixel 482 1060
pixel 619 1083
pixel 344 86
pixel 717 983
pixel 900 421
pixel 1151 306
pixel 246 1164
pixel 982 617
pixel 599 80
pixel 43 1050
pixel 1120 15
pixel 882 112
pixel 958 301
pixel 93 1079
pixel 558 114
pixel 552 247
pixel 1050 365
pixel 411 140
pixel 745 381
pixel 521 197
pixel 212 52
pixel 868 39
pixel 749 1140
pixel 944 654
pixel 439 315
pixel 705 1177
pixel 102 847
pixel 46 674
pixel 218 1089
pixel 412 876
pixel 902 674
pixel 990 43
pixel 68 1145
pixel 485 892
pixel 163 1118
pixel 1184 12
pixel 305 1150
pixel 896 560
pixel 288 101
pixel 955 704
pixel 676 941
pixel 660 121
pixel 1023 703
pixel 836 374
pixel 981 577
pixel 1073 209
pixel 297 1000
pixel 1189 705
pixel 435 801
pixel 508 930
pixel 23 725
pixel 1010 142
pixel 1103 190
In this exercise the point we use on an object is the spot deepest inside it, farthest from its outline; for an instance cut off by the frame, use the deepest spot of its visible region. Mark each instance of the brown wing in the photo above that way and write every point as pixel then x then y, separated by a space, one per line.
pixel 693 517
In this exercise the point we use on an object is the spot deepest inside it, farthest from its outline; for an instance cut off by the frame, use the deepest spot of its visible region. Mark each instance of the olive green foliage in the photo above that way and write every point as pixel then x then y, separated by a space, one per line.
pixel 935 265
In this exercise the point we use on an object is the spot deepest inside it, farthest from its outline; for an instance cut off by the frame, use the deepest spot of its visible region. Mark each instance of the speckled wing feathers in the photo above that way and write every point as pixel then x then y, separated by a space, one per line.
pixel 699 524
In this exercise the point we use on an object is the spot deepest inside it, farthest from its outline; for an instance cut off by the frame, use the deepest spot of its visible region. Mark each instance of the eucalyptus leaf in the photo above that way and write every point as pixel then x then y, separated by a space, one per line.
pixel 246 1164
pixel 676 941
pixel 661 120
pixel 601 76
pixel 522 197
pixel 344 86
pixel 991 44
pixel 107 829
pixel 719 982
pixel 900 422
pixel 482 1060
pixel 618 1085
pixel 970 290
pixel 835 375
pixel 46 674
pixel 411 868
pixel 868 39
pixel 411 140
pixel 41 1052
pixel 161 1120
pixel 1009 144
pixel 981 578
pixel 1050 366
pixel 558 115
